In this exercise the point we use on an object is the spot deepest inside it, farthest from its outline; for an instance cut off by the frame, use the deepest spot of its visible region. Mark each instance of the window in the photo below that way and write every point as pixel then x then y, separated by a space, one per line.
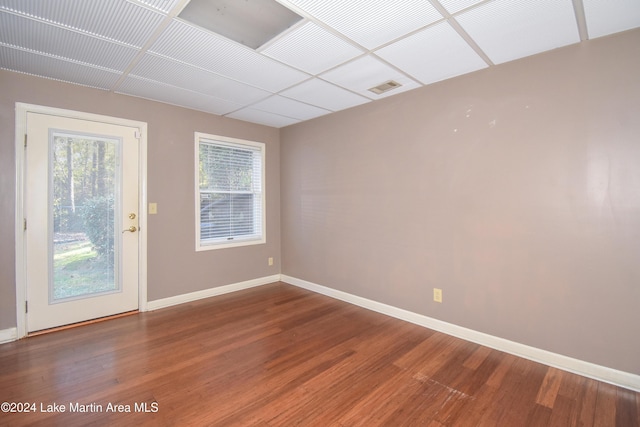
pixel 230 205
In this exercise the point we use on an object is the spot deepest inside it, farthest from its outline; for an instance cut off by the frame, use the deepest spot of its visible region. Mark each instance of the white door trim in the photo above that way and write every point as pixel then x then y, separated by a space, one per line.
pixel 21 127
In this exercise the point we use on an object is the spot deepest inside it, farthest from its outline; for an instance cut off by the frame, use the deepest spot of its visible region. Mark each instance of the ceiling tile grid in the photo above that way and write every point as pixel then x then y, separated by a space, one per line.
pixel 262 117
pixel 433 54
pixel 511 29
pixel 186 43
pixel 611 16
pixel 312 49
pixel 326 62
pixel 161 5
pixel 371 23
pixel 453 6
pixel 118 20
pixel 38 36
pixel 366 72
pixel 290 108
pixel 178 74
pixel 168 94
pixel 56 69
pixel 324 95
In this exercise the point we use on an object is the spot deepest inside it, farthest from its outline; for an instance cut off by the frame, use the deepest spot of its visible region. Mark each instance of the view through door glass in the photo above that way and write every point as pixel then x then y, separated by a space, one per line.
pixel 85 259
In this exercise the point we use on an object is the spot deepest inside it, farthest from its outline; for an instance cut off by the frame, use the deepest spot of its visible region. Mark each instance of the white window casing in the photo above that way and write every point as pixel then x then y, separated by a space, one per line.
pixel 230 192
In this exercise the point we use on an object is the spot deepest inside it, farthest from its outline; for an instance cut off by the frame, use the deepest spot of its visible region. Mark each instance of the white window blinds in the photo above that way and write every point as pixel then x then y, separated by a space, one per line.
pixel 230 192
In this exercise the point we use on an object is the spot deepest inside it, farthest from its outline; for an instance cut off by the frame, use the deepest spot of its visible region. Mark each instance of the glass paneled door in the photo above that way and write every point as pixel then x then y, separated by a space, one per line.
pixel 81 208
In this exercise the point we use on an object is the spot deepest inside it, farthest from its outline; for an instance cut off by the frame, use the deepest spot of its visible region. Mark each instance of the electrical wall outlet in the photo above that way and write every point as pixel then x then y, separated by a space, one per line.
pixel 437 295
pixel 270 261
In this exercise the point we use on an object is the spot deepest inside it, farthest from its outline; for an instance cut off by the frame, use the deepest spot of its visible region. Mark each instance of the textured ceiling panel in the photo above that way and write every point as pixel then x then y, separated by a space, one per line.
pixel 454 6
pixel 611 16
pixel 510 29
pixel 175 96
pixel 312 49
pixel 263 118
pixel 289 108
pixel 364 73
pixel 324 95
pixel 326 62
pixel 371 23
pixel 434 54
pixel 161 5
pixel 57 69
pixel 56 41
pixel 222 56
pixel 189 77
pixel 114 19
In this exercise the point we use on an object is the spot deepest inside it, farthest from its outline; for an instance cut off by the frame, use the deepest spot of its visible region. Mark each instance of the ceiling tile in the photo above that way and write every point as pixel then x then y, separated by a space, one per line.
pixel 434 54
pixel 189 77
pixel 56 69
pixel 324 95
pixel 371 23
pixel 454 6
pixel 312 49
pixel 161 5
pixel 507 29
pixel 611 16
pixel 289 108
pixel 176 96
pixel 364 73
pixel 326 62
pixel 192 45
pixel 114 19
pixel 262 117
pixel 16 30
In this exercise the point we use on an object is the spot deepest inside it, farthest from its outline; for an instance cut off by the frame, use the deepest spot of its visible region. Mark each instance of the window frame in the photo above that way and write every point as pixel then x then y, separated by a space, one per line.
pixel 256 238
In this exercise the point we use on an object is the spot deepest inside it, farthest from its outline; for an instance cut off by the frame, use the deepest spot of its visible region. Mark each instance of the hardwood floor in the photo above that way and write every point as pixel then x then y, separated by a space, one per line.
pixel 282 356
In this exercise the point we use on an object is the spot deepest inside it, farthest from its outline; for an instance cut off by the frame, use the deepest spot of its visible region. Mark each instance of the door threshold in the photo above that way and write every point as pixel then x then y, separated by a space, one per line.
pixel 86 322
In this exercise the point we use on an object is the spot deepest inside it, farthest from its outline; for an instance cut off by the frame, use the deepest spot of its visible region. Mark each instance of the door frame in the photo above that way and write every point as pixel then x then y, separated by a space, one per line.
pixel 21 263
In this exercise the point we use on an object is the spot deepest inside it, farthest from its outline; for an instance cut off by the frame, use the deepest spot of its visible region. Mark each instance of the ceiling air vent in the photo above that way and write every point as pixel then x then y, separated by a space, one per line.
pixel 385 87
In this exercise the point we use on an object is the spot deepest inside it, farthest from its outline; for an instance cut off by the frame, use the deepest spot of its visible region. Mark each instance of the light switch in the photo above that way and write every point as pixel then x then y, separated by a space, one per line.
pixel 153 208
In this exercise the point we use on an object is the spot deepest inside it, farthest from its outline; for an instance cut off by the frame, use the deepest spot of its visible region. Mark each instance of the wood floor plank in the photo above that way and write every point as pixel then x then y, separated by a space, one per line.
pixel 382 402
pixel 539 415
pixel 549 388
pixel 342 386
pixel 626 412
pixel 278 355
pixel 605 410
pixel 564 412
pixel 478 356
pixel 497 376
pixel 587 398
pixel 479 411
pixel 470 382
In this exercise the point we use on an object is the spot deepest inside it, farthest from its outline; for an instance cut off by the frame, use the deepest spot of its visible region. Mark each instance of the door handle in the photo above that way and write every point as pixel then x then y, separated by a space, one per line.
pixel 132 229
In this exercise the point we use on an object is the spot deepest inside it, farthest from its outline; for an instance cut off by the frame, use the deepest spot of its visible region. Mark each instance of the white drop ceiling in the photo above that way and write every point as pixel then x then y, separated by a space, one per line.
pixel 324 63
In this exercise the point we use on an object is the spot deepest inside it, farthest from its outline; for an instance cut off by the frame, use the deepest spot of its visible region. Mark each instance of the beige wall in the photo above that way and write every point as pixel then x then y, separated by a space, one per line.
pixel 515 189
pixel 174 268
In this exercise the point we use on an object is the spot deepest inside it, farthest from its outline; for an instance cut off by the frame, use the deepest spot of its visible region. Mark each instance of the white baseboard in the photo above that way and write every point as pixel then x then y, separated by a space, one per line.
pixel 212 292
pixel 580 367
pixel 8 335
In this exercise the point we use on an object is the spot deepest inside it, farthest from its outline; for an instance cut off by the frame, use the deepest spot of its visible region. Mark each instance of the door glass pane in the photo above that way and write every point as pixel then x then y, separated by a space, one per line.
pixel 84 206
